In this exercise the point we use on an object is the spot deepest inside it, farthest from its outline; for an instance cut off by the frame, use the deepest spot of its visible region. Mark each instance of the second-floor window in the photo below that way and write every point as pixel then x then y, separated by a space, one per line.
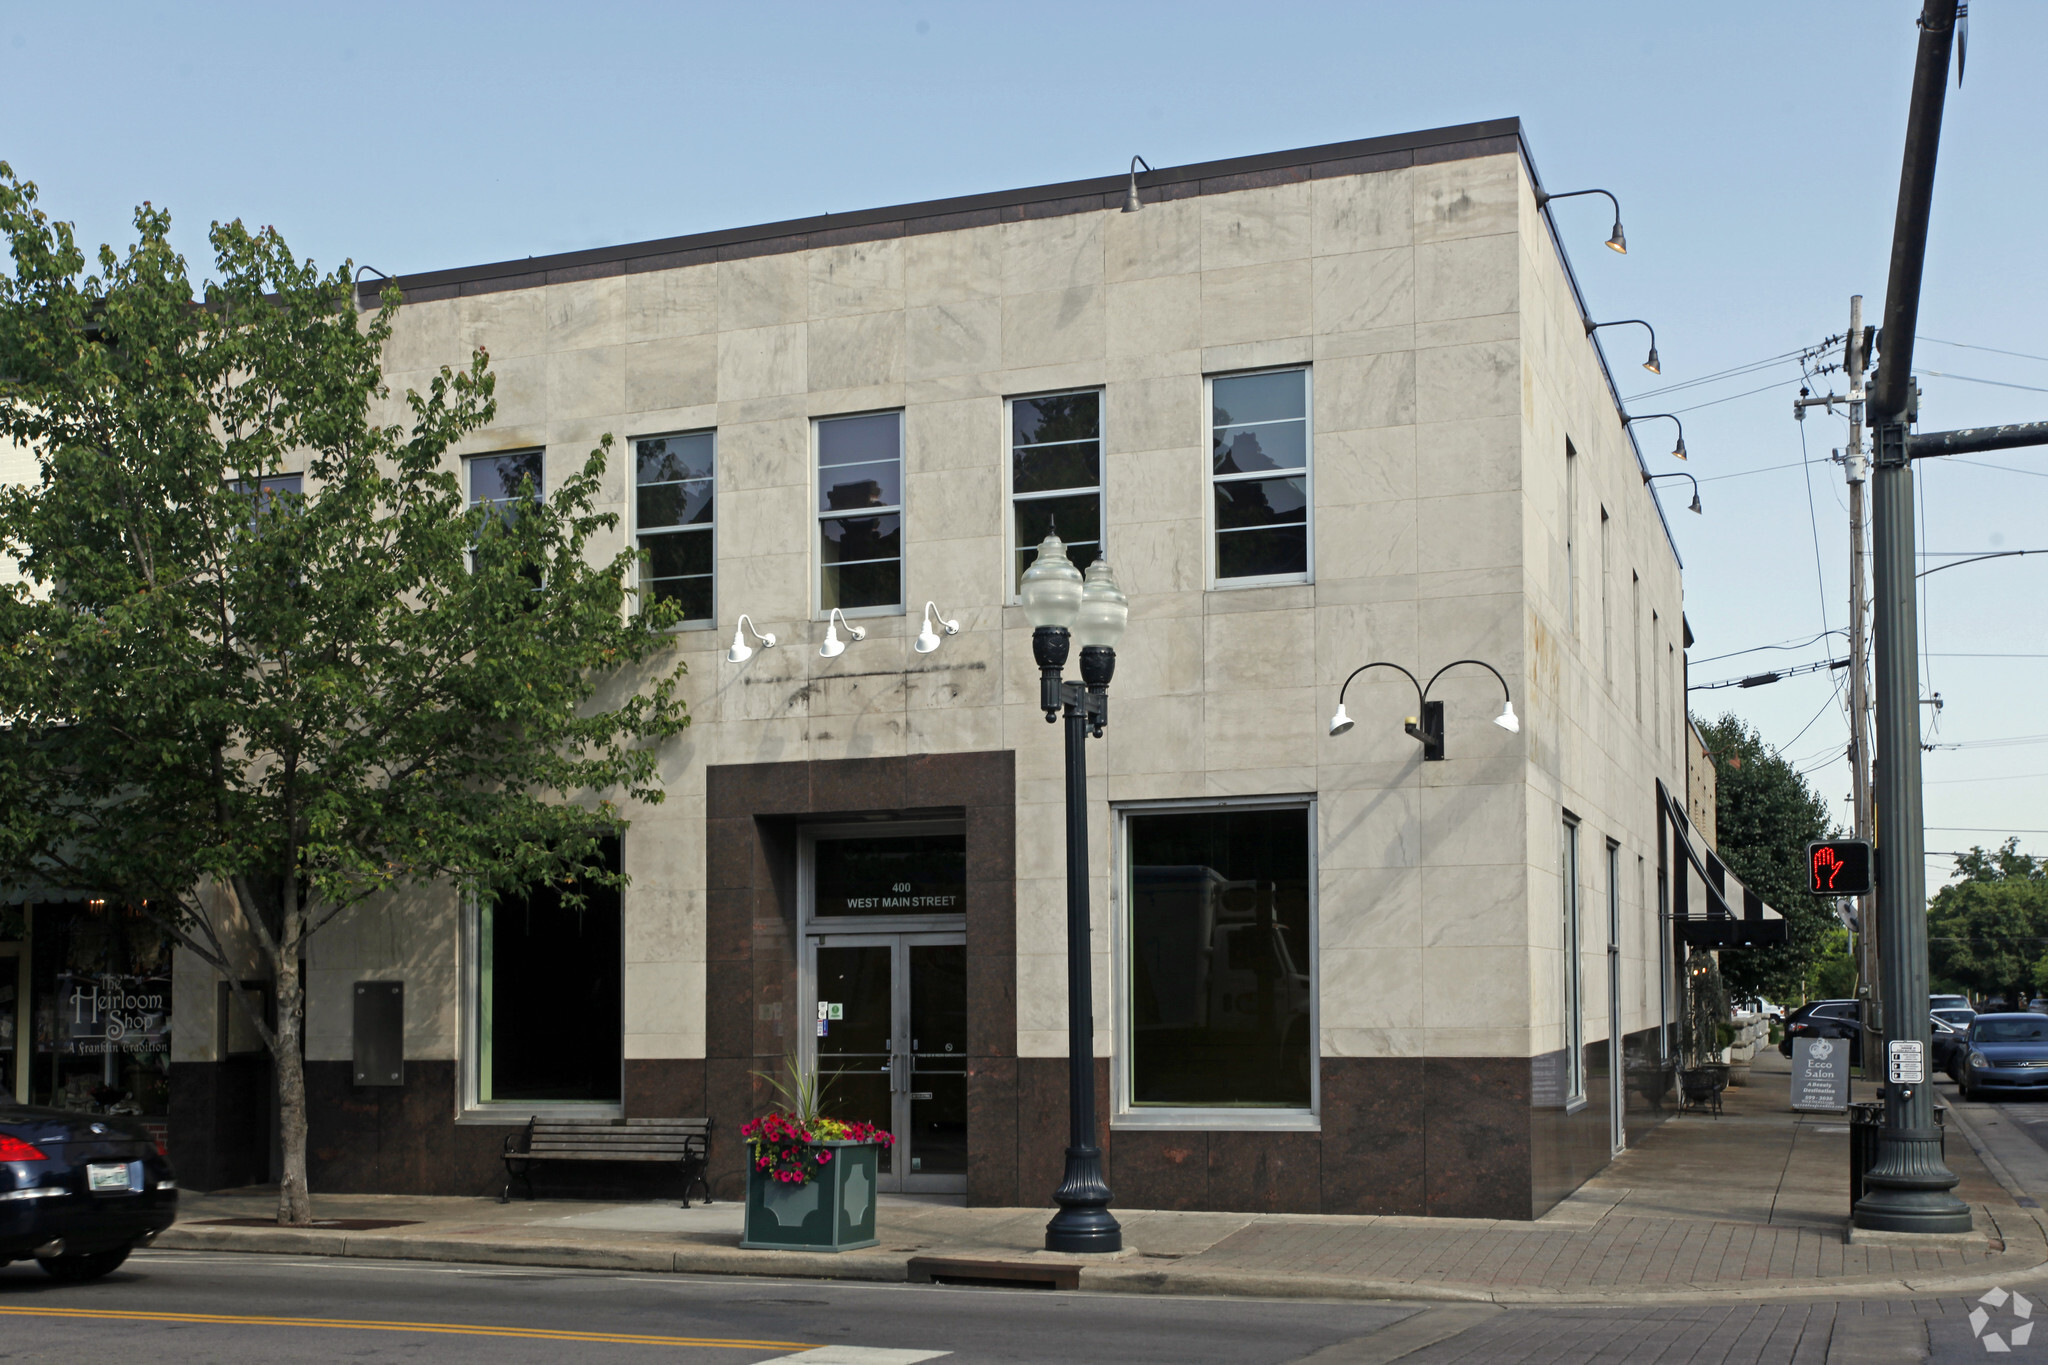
pixel 860 513
pixel 673 481
pixel 1055 477
pixel 497 481
pixel 1259 474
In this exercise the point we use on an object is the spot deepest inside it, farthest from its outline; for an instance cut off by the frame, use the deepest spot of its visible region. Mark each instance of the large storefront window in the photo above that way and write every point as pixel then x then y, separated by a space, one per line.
pixel 1220 980
pixel 548 997
pixel 85 1010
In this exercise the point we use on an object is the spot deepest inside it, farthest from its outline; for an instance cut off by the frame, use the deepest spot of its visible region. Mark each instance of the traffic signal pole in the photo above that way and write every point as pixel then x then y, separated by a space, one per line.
pixel 1908 1188
pixel 1856 466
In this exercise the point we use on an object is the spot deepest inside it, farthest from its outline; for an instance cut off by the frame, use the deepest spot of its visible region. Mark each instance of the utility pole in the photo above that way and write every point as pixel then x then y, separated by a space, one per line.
pixel 1908 1188
pixel 1855 466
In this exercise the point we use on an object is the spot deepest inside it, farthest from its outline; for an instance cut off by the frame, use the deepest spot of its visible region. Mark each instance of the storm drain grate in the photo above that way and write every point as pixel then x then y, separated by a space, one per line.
pixel 993 1274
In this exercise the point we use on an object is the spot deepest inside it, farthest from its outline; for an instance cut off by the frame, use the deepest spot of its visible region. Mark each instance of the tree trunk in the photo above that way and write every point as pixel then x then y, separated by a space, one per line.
pixel 294 1196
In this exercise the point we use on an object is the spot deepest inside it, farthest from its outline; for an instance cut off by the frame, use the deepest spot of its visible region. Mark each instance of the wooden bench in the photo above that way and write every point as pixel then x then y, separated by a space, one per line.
pixel 686 1142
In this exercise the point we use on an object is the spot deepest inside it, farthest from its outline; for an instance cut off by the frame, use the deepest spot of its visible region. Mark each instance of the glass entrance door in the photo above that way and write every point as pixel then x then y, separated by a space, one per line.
pixel 891 1044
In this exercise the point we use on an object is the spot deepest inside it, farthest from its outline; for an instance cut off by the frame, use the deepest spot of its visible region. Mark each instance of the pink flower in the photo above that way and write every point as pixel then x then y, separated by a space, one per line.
pixel 824 1157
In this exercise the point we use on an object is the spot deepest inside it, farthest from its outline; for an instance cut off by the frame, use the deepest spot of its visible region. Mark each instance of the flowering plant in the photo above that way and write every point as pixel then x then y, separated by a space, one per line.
pixel 786 1148
pixel 783 1141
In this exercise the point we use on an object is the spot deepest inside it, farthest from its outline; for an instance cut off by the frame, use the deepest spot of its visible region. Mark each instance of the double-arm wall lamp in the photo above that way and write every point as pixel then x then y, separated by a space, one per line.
pixel 1428 726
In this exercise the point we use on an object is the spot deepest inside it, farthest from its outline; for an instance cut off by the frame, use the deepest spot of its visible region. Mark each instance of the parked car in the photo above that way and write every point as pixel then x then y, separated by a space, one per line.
pixel 1950 1038
pixel 1825 1019
pixel 2005 1052
pixel 1949 1002
pixel 78 1192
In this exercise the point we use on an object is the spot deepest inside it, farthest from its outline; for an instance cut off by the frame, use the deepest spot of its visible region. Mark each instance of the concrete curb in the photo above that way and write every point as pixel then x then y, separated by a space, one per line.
pixel 2018 1267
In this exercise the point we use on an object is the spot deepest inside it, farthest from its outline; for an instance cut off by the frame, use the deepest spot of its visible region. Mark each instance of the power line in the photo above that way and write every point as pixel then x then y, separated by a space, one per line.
pixel 1758 649
pixel 1972 379
pixel 1968 347
pixel 1695 407
pixel 1732 372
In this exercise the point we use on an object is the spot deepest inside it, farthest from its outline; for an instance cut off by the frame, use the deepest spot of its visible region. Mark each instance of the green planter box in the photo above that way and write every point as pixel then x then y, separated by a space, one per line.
pixel 835 1211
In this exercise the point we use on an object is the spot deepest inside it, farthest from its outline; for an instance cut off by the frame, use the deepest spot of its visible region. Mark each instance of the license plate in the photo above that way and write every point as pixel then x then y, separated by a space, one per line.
pixel 108 1177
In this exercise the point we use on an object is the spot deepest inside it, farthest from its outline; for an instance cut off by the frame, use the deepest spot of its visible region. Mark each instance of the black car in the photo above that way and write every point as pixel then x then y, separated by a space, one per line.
pixel 78 1192
pixel 1825 1019
pixel 1949 1031
pixel 2005 1052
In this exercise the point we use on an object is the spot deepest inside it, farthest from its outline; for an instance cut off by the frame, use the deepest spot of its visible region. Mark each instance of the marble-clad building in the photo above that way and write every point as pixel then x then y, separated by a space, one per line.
pixel 1318 408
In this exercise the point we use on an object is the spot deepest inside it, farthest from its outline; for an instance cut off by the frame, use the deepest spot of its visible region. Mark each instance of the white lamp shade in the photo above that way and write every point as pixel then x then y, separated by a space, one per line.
pixel 1051 590
pixel 1105 611
pixel 1506 719
pixel 927 640
pixel 741 651
pixel 1341 721
pixel 833 646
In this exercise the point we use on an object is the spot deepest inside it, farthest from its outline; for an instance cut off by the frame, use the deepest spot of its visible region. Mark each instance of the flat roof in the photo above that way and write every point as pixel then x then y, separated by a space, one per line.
pixel 1495 137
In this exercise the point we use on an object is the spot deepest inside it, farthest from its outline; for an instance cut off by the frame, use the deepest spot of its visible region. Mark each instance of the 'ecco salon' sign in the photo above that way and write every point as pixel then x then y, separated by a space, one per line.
pixel 116 1013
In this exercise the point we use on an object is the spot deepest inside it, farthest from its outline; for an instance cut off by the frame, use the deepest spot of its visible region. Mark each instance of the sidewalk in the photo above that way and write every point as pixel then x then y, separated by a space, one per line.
pixel 1748 1206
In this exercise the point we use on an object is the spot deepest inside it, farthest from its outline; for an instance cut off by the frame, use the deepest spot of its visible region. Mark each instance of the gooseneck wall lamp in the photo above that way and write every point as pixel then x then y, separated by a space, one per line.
pixel 1615 240
pixel 355 288
pixel 1651 364
pixel 1677 451
pixel 1131 201
pixel 1427 727
pixel 741 651
pixel 833 646
pixel 1059 600
pixel 1680 474
pixel 927 638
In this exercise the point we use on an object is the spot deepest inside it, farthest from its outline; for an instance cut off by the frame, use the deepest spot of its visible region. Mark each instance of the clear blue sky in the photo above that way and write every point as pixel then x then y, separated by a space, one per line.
pixel 1755 150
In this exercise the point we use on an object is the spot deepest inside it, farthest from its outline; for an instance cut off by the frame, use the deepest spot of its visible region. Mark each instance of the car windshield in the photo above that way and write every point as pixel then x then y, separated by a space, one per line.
pixel 2010 1030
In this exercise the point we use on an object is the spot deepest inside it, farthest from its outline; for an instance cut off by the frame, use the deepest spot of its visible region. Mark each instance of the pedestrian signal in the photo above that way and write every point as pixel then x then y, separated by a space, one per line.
pixel 1838 867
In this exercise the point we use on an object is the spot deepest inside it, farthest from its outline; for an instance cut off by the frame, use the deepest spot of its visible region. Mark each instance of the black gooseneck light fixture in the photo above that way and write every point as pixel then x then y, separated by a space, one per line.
pixel 1427 727
pixel 1677 451
pixel 1131 201
pixel 1615 241
pixel 355 288
pixel 1651 364
pixel 1680 474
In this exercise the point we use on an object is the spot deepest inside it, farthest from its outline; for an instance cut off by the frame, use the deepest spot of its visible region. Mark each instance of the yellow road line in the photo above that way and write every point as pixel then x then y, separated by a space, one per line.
pixel 446 1328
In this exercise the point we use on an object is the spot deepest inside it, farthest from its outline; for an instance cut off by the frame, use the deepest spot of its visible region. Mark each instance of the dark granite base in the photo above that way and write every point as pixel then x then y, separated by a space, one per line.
pixel 396 1139
pixel 220 1123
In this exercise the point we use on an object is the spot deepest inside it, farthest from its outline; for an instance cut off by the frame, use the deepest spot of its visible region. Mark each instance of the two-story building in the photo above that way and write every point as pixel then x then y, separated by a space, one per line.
pixel 1319 408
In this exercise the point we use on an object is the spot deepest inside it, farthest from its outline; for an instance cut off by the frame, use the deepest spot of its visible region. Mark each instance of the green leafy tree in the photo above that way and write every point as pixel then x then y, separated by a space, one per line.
pixel 244 709
pixel 1987 930
pixel 1765 814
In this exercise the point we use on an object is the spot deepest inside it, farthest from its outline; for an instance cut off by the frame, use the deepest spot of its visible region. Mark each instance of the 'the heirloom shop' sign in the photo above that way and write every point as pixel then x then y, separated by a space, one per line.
pixel 916 874
pixel 105 1014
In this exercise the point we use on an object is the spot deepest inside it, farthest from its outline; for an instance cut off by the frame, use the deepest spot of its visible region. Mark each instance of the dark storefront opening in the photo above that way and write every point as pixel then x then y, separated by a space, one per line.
pixel 1220 974
pixel 549 1017
pixel 85 1009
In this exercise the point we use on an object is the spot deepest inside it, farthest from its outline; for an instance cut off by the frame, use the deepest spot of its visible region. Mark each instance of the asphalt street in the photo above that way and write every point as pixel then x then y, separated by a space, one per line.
pixel 191 1306
pixel 186 1306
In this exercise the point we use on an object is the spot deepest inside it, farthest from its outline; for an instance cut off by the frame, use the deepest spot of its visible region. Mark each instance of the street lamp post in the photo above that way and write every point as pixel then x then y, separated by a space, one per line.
pixel 1056 596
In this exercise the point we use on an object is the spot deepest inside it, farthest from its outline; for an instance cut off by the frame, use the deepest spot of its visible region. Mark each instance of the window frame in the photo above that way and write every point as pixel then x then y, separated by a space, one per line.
pixel 635 534
pixel 469 499
pixel 1217 583
pixel 472 1109
pixel 1011 549
pixel 1571 926
pixel 819 516
pixel 1122 1113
